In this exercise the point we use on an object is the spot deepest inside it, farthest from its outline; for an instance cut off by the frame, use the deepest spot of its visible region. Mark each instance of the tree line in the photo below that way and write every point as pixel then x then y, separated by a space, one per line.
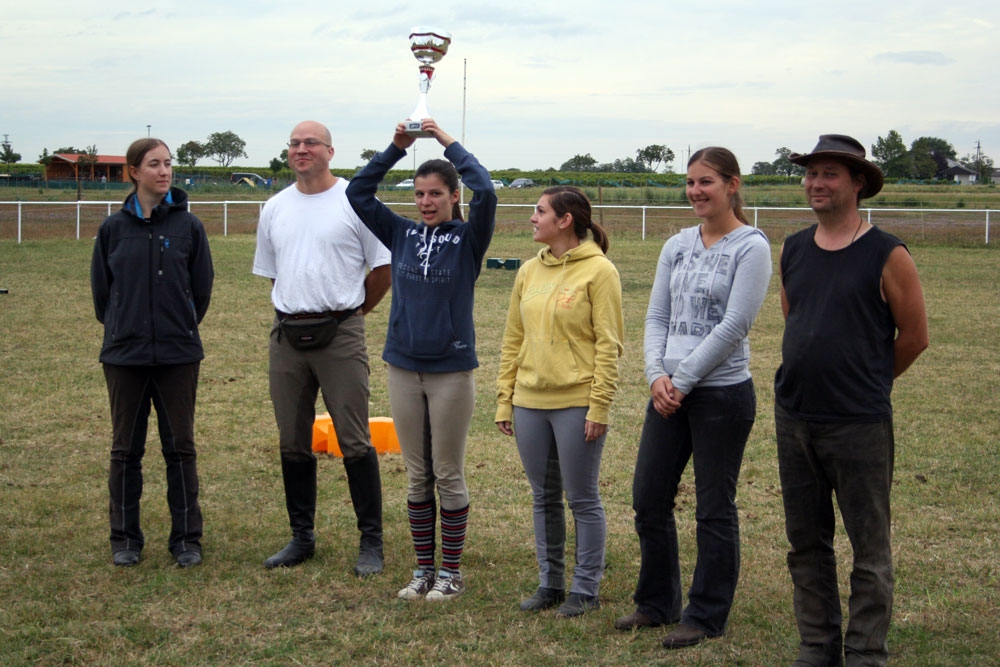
pixel 646 160
pixel 222 147
pixel 925 158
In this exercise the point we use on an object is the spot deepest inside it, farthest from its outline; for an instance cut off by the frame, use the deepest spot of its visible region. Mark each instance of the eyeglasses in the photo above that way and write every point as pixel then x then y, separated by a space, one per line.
pixel 309 143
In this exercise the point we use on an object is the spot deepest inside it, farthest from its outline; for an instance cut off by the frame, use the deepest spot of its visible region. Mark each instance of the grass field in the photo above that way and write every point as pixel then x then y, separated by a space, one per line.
pixel 64 603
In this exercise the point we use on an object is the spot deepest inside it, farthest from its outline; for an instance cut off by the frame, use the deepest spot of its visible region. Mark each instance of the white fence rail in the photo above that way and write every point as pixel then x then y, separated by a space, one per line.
pixel 109 206
pixel 902 218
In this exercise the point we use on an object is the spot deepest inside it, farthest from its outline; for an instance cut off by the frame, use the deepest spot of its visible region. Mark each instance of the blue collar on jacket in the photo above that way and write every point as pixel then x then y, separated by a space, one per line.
pixel 137 209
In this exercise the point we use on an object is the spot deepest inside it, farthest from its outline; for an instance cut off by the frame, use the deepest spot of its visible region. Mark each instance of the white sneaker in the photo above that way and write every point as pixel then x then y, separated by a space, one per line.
pixel 448 586
pixel 417 588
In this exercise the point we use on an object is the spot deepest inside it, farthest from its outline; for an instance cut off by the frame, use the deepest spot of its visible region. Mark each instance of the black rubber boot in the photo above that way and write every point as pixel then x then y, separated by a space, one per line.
pixel 300 500
pixel 365 483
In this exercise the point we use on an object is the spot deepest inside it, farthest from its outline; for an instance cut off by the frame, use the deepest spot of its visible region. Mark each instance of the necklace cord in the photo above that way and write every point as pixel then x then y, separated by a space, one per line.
pixel 860 222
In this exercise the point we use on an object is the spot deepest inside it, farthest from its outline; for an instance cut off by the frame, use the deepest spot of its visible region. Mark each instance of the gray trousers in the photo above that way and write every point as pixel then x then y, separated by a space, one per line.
pixel 341 370
pixel 557 458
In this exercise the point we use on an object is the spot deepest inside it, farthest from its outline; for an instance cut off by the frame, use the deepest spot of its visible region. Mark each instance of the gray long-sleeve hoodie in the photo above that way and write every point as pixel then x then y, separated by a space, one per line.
pixel 702 305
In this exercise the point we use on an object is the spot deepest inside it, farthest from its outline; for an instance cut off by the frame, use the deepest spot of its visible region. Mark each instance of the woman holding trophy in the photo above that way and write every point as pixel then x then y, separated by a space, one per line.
pixel 431 342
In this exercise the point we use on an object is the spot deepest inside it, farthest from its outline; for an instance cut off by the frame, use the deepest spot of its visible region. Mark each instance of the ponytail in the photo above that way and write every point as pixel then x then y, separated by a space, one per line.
pixel 567 199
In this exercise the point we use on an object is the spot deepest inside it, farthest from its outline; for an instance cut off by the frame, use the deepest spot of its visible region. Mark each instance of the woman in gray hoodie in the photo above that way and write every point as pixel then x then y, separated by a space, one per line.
pixel 710 282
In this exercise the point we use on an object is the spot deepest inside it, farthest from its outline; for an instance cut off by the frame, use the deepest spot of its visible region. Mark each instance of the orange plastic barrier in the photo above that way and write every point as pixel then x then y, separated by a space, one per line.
pixel 325 436
pixel 384 438
pixel 383 433
pixel 321 427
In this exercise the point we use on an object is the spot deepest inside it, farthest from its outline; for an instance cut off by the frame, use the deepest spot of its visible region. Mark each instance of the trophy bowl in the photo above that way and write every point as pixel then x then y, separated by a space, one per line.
pixel 429 46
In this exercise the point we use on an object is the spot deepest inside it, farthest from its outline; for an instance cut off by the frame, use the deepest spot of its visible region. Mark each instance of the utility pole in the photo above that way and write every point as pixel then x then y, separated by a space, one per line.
pixel 979 163
pixel 465 78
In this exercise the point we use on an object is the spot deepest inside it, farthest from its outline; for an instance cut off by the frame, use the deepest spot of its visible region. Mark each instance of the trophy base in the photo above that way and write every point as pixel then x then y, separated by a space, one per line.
pixel 413 129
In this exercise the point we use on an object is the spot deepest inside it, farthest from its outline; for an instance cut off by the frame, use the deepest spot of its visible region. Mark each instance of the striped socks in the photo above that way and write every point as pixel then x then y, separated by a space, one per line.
pixel 453 525
pixel 423 516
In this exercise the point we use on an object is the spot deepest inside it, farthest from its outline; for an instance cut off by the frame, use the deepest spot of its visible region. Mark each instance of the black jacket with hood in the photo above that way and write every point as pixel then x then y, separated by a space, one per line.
pixel 151 279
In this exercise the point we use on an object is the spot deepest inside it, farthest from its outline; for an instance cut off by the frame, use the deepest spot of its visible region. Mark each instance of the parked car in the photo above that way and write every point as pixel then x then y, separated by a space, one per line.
pixel 408 183
pixel 497 184
pixel 522 183
pixel 247 178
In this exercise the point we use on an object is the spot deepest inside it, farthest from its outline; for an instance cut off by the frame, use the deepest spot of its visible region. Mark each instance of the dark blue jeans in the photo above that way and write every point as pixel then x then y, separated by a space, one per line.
pixel 711 426
pixel 855 462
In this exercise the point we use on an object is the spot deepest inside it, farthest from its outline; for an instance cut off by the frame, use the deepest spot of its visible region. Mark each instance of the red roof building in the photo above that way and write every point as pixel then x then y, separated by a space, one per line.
pixel 67 165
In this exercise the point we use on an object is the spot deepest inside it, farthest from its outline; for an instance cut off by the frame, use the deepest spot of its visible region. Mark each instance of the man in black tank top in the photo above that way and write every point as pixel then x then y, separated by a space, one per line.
pixel 854 321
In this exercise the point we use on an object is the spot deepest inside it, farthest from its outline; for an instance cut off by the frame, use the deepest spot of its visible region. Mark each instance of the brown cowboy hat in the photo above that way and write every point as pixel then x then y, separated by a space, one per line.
pixel 848 150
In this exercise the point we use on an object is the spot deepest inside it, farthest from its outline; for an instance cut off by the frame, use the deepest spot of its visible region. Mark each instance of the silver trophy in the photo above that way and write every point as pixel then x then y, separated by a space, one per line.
pixel 428 46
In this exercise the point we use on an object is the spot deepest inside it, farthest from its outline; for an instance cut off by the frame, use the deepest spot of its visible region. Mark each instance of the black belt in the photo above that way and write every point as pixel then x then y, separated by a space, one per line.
pixel 339 315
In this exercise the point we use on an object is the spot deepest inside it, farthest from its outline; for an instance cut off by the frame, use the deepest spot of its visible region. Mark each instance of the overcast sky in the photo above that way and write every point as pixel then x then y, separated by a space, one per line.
pixel 542 81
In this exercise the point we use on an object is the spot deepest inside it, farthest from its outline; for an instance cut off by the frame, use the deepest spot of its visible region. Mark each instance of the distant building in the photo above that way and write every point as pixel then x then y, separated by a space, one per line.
pixel 64 166
pixel 955 171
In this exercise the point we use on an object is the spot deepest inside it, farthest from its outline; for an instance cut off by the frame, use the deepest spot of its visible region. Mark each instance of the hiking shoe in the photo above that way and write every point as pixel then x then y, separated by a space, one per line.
pixel 449 585
pixel 369 561
pixel 188 559
pixel 577 604
pixel 683 636
pixel 635 621
pixel 294 553
pixel 126 558
pixel 419 585
pixel 543 598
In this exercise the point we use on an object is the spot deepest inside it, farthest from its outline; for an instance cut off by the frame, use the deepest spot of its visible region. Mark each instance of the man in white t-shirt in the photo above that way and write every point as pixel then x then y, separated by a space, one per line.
pixel 327 271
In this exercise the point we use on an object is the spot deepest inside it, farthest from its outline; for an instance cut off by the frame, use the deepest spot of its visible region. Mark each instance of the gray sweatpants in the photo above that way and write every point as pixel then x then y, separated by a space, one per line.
pixel 556 457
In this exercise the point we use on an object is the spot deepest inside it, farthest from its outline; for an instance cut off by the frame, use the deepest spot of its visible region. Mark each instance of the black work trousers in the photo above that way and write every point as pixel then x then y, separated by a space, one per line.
pixel 133 390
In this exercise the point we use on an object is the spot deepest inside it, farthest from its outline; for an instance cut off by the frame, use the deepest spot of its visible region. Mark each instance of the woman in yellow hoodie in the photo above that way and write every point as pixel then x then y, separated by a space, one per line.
pixel 558 376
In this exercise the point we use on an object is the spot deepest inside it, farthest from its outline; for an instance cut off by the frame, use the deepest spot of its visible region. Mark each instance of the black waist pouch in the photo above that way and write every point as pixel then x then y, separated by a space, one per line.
pixel 308 334
pixel 313 333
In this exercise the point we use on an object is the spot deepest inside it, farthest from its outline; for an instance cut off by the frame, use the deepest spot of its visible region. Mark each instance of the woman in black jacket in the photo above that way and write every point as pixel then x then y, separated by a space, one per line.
pixel 151 278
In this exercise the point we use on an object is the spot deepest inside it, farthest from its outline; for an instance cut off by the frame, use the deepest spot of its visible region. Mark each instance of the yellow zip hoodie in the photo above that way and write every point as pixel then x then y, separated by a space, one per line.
pixel 563 336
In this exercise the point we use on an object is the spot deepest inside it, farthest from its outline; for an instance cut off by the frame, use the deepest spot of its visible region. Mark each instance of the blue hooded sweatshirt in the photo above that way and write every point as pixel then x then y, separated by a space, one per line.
pixel 434 269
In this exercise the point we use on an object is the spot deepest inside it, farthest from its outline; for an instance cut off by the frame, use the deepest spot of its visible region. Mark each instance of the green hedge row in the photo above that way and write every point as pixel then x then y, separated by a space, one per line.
pixel 541 177
pixel 22 169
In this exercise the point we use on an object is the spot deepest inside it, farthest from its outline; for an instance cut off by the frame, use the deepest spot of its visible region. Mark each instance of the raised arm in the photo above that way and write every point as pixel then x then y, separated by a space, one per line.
pixel 363 186
pixel 483 207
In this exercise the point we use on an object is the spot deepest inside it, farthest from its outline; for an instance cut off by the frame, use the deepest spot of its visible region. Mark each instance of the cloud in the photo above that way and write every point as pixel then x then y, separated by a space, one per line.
pixel 541 84
pixel 915 57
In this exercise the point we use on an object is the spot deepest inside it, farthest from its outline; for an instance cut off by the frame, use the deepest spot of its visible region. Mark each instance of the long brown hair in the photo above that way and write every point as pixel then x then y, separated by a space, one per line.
pixel 449 176
pixel 724 163
pixel 566 199
pixel 137 151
